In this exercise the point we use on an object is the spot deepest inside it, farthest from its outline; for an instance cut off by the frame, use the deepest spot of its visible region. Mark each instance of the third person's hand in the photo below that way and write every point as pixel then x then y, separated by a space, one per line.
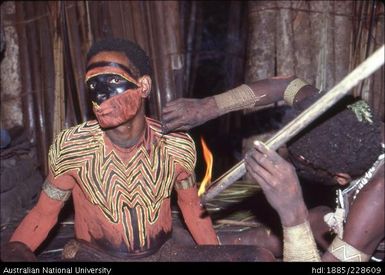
pixel 186 113
pixel 279 181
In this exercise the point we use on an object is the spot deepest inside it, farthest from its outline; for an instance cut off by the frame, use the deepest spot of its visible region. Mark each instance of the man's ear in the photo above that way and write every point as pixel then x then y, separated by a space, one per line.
pixel 145 85
pixel 342 178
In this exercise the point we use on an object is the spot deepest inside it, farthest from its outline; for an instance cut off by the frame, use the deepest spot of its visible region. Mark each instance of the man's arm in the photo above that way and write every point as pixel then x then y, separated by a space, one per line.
pixel 195 216
pixel 280 184
pixel 186 113
pixel 35 226
pixel 364 228
pixel 362 233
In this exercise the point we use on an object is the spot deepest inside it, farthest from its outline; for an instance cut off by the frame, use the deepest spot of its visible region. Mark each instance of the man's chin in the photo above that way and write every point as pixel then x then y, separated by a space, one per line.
pixel 114 119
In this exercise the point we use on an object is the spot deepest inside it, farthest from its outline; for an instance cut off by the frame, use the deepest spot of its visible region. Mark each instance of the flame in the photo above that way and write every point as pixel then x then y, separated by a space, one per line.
pixel 208 156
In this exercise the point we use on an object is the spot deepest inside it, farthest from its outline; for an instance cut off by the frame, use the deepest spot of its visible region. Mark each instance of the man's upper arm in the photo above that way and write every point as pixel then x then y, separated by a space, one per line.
pixel 58 185
pixel 187 192
pixel 185 181
pixel 364 227
pixel 365 223
pixel 185 162
pixel 56 189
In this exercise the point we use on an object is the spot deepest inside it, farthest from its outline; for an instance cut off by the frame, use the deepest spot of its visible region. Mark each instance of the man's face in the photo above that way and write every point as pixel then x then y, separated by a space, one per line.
pixel 104 86
pixel 114 91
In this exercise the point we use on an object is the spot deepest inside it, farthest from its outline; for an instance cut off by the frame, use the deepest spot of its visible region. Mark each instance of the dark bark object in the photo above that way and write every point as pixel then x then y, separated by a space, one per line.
pixel 17 252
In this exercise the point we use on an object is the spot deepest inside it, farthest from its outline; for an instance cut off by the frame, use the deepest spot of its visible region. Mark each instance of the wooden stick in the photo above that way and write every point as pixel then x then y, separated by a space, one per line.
pixel 366 68
pixel 239 223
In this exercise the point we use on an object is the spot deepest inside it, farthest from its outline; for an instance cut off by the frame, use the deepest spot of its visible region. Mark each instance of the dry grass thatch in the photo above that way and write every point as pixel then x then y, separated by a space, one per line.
pixel 225 211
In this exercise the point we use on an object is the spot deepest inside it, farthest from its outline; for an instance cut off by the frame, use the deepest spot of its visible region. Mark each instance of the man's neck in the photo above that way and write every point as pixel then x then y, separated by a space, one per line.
pixel 128 133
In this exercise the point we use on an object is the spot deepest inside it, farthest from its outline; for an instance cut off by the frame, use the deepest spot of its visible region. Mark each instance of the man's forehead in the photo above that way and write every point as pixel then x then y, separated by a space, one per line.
pixel 117 59
pixel 110 56
pixel 110 62
pixel 108 67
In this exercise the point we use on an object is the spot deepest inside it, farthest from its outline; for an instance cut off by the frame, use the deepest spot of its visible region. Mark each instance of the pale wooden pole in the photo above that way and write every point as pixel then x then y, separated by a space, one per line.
pixel 366 68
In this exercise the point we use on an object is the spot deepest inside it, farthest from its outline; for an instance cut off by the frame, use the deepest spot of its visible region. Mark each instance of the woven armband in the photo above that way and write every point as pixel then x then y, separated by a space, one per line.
pixel 239 98
pixel 187 183
pixel 55 193
pixel 345 252
pixel 292 89
pixel 299 244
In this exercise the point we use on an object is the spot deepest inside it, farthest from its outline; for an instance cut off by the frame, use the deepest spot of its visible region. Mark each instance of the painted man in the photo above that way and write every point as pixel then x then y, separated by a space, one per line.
pixel 120 168
pixel 337 155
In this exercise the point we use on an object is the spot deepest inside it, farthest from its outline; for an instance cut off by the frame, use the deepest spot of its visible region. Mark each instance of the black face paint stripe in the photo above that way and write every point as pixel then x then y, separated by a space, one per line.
pixel 109 64
pixel 102 89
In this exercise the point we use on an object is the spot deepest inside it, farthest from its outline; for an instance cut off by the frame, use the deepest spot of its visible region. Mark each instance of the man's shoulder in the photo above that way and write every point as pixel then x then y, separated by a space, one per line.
pixel 83 132
pixel 71 145
pixel 183 137
pixel 179 145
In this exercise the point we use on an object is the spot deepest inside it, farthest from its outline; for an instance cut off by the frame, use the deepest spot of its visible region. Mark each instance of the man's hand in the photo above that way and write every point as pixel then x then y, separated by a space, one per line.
pixel 186 113
pixel 17 252
pixel 279 182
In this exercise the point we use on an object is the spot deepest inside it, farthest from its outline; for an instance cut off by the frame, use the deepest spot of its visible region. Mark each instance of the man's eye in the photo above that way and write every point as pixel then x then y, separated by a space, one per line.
pixel 115 80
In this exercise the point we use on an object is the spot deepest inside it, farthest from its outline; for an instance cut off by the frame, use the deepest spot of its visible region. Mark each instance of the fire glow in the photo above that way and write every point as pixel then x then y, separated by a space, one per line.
pixel 208 156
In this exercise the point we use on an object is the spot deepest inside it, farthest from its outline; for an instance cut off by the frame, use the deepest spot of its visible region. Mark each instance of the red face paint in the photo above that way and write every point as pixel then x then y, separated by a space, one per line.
pixel 118 109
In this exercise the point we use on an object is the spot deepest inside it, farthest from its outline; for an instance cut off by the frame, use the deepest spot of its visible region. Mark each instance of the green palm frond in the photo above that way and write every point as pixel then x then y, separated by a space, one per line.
pixel 362 111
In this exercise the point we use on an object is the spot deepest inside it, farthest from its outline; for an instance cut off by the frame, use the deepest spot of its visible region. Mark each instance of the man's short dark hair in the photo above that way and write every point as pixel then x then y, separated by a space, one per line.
pixel 133 51
pixel 338 142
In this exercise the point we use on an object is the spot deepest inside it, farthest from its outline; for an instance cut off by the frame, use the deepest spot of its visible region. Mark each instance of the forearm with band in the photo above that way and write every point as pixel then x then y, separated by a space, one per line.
pixel 187 183
pixel 299 244
pixel 55 193
pixel 292 90
pixel 345 252
pixel 241 97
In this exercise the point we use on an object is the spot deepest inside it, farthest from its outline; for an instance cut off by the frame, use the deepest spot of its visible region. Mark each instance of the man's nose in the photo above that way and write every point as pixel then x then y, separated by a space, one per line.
pixel 102 93
pixel 101 97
